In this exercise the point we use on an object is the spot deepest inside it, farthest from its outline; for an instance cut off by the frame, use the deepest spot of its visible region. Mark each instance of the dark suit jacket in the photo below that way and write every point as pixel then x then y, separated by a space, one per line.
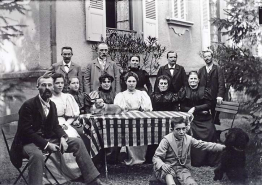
pixel 31 117
pixel 74 70
pixel 178 80
pixel 217 81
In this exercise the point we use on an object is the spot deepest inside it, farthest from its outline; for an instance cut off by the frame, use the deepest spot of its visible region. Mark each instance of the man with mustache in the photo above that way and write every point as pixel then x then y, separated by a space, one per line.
pixel 102 64
pixel 67 68
pixel 175 72
pixel 38 130
pixel 212 77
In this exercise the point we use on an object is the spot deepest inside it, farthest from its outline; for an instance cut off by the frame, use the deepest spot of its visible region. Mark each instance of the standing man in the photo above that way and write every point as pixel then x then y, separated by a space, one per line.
pixel 175 72
pixel 98 67
pixel 67 68
pixel 38 130
pixel 212 76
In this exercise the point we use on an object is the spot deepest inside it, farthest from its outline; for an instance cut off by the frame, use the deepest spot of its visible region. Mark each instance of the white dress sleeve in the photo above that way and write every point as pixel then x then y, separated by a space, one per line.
pixel 72 108
pixel 146 104
pixel 120 100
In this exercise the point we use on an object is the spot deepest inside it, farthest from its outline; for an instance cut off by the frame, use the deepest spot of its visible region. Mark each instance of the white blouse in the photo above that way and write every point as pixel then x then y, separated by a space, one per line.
pixel 66 106
pixel 133 100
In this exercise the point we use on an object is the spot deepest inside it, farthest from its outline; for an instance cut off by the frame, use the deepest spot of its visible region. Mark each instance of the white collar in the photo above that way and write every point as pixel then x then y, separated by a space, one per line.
pixel 44 103
pixel 131 92
pixel 69 64
pixel 101 60
pixel 169 66
pixel 209 67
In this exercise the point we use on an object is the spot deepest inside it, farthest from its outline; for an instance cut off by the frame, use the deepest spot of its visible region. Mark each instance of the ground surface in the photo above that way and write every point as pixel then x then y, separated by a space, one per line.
pixel 140 174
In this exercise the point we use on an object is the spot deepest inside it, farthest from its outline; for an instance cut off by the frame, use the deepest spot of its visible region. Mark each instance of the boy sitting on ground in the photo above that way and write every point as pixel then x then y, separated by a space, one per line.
pixel 172 157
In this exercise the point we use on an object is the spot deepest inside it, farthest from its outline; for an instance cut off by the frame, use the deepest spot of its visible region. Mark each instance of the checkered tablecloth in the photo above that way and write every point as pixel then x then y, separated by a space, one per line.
pixel 127 129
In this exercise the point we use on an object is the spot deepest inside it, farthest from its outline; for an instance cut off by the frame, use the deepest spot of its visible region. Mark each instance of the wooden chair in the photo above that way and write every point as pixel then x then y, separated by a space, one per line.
pixel 228 108
pixel 7 120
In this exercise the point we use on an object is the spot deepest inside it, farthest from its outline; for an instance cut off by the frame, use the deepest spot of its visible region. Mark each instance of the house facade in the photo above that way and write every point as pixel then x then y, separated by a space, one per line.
pixel 179 25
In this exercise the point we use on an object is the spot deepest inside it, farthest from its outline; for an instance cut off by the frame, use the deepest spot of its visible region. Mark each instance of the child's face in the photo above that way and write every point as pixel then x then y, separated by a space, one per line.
pixel 74 84
pixel 179 130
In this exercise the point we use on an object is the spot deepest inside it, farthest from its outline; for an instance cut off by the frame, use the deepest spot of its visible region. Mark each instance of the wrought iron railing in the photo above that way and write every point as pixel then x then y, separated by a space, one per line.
pixel 110 31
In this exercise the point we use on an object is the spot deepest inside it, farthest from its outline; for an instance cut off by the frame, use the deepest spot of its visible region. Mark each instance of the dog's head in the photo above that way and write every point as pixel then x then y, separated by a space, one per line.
pixel 236 138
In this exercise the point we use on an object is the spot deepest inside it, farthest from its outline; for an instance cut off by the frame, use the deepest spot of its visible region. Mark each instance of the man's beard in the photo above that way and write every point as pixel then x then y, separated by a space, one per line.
pixel 46 94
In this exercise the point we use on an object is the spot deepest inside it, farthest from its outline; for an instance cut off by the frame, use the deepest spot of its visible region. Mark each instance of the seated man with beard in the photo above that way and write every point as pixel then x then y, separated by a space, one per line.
pixel 38 130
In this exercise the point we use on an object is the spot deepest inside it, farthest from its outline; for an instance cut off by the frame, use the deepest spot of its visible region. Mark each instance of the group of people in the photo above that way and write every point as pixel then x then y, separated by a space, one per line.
pixel 51 117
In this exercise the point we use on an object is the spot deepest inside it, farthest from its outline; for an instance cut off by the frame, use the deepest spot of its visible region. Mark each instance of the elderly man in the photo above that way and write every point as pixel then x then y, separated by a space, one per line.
pixel 38 130
pixel 67 68
pixel 175 72
pixel 98 67
pixel 212 76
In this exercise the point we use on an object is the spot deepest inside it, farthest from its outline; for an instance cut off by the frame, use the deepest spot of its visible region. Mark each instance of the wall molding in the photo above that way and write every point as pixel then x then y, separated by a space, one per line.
pixel 179 26
pixel 24 74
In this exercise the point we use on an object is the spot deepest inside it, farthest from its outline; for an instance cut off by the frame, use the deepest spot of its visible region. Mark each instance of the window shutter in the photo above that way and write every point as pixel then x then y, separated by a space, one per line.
pixel 205 24
pixel 175 10
pixel 95 20
pixel 182 9
pixel 150 26
pixel 179 9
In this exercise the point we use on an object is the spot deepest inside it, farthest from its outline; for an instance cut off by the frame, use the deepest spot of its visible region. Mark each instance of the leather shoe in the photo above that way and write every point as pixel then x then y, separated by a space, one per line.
pixel 97 181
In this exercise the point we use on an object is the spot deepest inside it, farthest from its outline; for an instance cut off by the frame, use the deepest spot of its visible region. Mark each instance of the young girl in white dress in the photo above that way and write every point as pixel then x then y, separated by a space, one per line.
pixel 134 100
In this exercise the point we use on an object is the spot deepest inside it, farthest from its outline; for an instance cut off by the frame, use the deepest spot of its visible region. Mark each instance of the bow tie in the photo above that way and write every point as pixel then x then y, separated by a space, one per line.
pixel 67 66
pixel 171 68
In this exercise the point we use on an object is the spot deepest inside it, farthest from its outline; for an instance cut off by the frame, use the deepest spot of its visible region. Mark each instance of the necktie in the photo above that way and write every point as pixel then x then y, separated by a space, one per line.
pixel 172 70
pixel 103 63
pixel 66 68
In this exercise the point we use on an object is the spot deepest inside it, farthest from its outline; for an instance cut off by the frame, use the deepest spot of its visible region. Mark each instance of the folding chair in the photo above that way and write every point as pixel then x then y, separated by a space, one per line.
pixel 11 118
pixel 227 108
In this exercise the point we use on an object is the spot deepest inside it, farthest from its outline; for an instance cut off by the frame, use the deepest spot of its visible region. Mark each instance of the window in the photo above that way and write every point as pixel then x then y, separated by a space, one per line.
pixel 179 9
pixel 118 14
pixel 101 15
pixel 111 14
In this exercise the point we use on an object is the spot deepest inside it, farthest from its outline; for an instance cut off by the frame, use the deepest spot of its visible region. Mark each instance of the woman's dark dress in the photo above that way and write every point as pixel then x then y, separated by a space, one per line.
pixel 83 101
pixel 112 153
pixel 202 125
pixel 164 101
pixel 107 95
pixel 161 101
pixel 143 80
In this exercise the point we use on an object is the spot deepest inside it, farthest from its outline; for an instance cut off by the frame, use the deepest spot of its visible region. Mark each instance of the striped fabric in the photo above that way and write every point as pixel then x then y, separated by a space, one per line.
pixel 127 129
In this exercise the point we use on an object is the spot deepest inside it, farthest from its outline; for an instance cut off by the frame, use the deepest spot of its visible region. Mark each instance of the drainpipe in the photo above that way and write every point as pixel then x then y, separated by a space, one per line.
pixel 53 31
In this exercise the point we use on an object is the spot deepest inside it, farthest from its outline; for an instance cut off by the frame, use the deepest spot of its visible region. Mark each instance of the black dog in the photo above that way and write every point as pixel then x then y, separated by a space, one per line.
pixel 233 158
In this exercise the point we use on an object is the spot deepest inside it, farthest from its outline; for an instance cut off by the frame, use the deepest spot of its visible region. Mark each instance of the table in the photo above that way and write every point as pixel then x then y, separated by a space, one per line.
pixel 127 129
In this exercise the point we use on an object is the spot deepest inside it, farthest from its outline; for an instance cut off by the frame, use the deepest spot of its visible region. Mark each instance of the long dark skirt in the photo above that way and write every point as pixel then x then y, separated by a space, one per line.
pixel 204 130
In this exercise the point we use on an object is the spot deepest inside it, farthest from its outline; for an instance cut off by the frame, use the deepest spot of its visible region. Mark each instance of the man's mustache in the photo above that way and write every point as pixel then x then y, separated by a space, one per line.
pixel 47 91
